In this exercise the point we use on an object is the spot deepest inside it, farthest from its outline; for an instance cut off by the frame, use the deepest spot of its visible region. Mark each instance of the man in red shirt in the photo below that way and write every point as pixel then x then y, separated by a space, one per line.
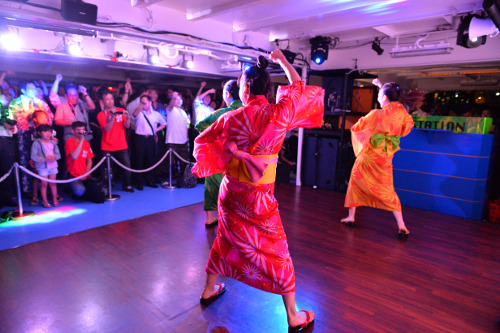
pixel 113 121
pixel 78 162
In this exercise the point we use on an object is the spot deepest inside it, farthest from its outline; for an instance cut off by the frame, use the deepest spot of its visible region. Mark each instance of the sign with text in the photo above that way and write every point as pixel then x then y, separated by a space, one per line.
pixel 471 125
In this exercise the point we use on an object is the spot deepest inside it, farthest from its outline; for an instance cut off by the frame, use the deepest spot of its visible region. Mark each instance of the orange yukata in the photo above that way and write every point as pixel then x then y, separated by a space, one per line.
pixel 375 139
pixel 251 244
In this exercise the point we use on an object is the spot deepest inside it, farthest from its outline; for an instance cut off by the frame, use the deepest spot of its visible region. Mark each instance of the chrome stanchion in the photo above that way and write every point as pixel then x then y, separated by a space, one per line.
pixel 169 170
pixel 20 214
pixel 111 197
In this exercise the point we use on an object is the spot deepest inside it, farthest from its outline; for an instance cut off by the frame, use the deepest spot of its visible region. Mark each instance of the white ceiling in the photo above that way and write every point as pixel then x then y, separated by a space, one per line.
pixel 307 18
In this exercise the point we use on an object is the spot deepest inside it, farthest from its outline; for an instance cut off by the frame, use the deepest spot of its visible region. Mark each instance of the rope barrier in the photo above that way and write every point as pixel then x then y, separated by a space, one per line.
pixel 65 181
pixel 183 160
pixel 144 170
pixel 7 174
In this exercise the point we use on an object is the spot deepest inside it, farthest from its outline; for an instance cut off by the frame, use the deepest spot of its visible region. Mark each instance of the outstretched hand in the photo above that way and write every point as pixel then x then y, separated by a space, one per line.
pixel 277 55
pixel 377 82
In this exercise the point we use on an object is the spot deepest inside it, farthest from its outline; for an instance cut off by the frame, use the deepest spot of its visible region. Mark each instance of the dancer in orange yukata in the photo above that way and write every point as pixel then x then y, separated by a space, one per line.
pixel 375 139
pixel 251 245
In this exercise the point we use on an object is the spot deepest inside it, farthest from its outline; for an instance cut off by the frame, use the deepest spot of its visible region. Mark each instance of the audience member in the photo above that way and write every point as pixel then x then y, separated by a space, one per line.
pixel 78 162
pixel 45 153
pixel 21 110
pixel 113 122
pixel 177 133
pixel 73 109
pixel 8 156
pixel 148 123
pixel 201 104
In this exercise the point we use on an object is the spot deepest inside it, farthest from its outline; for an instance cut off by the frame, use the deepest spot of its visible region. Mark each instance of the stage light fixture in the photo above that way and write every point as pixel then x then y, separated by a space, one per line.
pixel 10 40
pixel 153 55
pixel 188 63
pixel 376 47
pixel 72 45
pixel 289 55
pixel 473 31
pixel 319 49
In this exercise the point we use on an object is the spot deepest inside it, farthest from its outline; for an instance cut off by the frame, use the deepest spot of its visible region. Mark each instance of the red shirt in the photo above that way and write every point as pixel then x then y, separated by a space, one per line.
pixel 79 166
pixel 114 139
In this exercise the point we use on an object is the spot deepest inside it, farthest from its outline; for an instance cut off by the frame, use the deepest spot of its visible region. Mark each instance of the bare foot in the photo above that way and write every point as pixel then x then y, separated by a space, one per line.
pixel 300 318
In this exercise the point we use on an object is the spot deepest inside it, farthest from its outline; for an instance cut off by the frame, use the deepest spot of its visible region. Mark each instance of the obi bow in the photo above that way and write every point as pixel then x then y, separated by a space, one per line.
pixel 376 140
pixel 255 165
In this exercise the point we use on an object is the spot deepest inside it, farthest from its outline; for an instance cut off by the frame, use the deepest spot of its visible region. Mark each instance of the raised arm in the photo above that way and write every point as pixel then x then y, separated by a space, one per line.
pixel 278 57
pixel 202 85
pixel 90 103
pixel 202 95
pixel 127 93
pixel 54 97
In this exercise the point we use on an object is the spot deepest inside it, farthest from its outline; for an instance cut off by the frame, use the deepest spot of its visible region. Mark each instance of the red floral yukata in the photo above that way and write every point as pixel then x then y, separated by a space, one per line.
pixel 251 245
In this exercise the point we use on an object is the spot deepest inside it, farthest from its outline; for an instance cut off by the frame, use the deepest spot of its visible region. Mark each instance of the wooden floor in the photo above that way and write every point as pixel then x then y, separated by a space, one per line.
pixel 146 274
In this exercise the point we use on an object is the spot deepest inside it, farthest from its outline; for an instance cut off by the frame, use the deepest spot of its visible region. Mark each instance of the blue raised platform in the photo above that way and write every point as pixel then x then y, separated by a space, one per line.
pixel 445 172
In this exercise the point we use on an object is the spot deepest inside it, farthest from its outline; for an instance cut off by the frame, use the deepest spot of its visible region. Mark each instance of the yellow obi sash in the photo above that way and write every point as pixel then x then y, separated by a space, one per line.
pixel 238 169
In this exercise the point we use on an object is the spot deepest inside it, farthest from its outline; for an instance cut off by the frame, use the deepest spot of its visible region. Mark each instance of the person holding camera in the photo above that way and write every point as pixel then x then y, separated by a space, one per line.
pixel 113 122
pixel 78 162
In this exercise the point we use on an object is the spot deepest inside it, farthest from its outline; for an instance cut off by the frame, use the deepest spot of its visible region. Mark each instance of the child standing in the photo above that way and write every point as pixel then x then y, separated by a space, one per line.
pixel 45 153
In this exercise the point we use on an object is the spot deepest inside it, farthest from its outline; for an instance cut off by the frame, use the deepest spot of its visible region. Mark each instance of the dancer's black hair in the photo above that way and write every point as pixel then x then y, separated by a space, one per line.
pixel 392 91
pixel 257 77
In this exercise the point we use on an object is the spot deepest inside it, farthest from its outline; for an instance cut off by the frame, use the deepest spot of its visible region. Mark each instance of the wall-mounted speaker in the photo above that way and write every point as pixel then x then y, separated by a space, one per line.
pixel 79 11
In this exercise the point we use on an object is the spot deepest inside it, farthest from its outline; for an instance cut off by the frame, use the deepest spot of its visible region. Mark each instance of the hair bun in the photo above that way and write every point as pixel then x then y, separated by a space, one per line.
pixel 262 62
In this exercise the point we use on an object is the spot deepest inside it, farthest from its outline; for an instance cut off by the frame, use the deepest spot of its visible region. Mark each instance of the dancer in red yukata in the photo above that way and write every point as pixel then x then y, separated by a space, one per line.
pixel 251 245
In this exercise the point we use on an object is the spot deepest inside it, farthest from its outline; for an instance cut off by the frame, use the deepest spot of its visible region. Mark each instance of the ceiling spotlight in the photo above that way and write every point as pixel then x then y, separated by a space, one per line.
pixel 289 55
pixel 10 41
pixel 376 46
pixel 72 45
pixel 319 49
pixel 153 55
pixel 471 33
pixel 187 63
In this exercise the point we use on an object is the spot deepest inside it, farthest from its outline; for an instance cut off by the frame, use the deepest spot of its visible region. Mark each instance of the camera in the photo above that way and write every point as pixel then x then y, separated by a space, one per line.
pixel 87 132
pixel 119 112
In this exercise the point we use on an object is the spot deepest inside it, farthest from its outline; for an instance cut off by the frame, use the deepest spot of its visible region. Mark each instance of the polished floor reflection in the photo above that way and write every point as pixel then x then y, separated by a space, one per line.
pixel 146 274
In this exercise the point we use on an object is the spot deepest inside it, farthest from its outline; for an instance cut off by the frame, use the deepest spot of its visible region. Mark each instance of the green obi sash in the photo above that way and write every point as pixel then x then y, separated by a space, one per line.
pixel 376 140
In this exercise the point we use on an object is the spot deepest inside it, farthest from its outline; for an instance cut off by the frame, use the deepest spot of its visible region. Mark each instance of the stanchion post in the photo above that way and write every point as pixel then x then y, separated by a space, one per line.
pixel 19 214
pixel 111 197
pixel 170 169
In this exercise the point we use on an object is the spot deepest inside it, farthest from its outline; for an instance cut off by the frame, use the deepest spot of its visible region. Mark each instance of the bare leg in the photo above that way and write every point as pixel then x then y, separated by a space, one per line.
pixel 43 191
pixel 352 213
pixel 294 318
pixel 53 189
pixel 401 223
pixel 209 289
pixel 210 217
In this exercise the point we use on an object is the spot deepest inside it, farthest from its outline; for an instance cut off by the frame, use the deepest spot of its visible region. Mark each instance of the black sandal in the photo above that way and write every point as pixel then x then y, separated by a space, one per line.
pixel 348 223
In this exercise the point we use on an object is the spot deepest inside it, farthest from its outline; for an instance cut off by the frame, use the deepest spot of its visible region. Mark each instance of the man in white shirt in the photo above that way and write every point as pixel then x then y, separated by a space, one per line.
pixel 148 123
pixel 201 104
pixel 177 133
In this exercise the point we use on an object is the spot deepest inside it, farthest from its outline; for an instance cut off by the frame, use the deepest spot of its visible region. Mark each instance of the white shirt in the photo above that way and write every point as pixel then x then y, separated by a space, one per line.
pixel 177 125
pixel 141 125
pixel 201 111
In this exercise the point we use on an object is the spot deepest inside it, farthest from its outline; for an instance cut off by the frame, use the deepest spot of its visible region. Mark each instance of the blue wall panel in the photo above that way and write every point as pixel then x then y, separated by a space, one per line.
pixel 444 172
